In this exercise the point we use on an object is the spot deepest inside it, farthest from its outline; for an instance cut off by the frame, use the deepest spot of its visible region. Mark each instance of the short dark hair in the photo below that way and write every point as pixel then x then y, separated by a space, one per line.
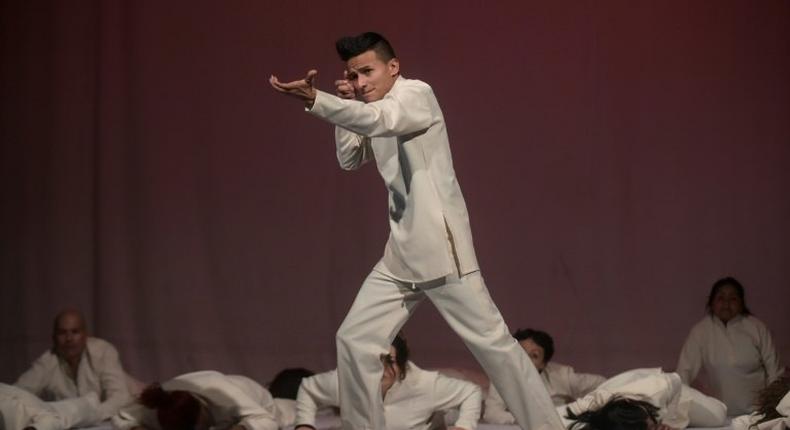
pixel 721 283
pixel 175 410
pixel 285 384
pixel 351 46
pixel 401 354
pixel 540 337
pixel 619 413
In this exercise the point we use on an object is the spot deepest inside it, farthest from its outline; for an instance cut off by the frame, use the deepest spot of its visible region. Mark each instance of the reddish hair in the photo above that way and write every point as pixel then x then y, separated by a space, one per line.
pixel 175 410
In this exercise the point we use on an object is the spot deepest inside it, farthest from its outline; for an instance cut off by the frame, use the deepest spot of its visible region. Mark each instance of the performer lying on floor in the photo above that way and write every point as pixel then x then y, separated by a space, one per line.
pixel 411 395
pixel 202 400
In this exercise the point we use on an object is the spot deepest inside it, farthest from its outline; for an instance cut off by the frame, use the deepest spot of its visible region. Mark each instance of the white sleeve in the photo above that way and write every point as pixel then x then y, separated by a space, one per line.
pixel 314 392
pixel 768 354
pixel 34 380
pixel 405 111
pixel 115 391
pixel 496 411
pixel 455 393
pixel 690 359
pixel 353 150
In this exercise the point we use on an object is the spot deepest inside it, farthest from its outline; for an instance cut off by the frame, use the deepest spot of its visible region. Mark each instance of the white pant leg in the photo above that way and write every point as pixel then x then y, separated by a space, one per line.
pixel 380 309
pixel 20 409
pixel 469 310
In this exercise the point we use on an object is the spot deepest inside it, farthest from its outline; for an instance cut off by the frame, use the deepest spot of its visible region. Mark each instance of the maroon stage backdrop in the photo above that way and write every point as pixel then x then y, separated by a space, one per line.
pixel 617 157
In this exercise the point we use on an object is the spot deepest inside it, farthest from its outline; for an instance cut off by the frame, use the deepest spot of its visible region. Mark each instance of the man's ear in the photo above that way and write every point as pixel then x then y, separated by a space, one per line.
pixel 393 65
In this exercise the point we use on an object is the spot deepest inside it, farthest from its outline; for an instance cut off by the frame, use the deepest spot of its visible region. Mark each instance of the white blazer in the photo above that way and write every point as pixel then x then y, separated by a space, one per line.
pixel 406 134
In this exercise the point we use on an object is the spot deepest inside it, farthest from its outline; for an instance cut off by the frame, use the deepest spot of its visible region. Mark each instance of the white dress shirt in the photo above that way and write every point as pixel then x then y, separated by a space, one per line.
pixel 99 372
pixel 230 399
pixel 562 382
pixel 738 358
pixel 406 135
pixel 408 404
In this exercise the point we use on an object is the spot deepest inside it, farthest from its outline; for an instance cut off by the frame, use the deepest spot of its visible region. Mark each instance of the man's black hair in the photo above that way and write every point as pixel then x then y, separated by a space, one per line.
pixel 285 384
pixel 539 337
pixel 351 46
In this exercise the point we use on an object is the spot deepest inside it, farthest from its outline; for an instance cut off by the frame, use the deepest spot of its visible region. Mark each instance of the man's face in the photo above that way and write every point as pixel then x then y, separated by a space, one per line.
pixel 371 77
pixel 535 353
pixel 69 336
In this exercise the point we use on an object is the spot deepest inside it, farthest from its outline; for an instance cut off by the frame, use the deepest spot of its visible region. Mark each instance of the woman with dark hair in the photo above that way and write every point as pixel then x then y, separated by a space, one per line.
pixel 675 405
pixel 562 382
pixel 734 349
pixel 772 410
pixel 202 400
pixel 619 413
pixel 411 395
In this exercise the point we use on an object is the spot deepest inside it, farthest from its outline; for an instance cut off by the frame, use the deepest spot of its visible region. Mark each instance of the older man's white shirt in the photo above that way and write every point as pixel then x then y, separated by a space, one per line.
pixel 99 372
pixel 408 404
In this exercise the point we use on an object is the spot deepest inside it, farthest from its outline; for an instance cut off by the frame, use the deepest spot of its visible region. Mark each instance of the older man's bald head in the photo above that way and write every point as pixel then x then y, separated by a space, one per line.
pixel 69 334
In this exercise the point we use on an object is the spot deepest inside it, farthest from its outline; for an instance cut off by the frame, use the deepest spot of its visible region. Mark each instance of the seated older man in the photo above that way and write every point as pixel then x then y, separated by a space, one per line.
pixel 76 366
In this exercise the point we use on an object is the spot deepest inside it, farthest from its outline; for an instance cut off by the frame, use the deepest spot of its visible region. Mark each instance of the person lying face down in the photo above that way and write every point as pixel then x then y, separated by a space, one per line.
pixel 202 400
pixel 619 413
pixel 772 411
pixel 563 383
pixel 676 405
pixel 411 395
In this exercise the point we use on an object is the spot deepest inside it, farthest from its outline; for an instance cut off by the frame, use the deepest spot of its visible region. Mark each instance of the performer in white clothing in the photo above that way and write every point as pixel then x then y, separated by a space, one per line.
pixel 20 409
pixel 562 382
pixel 76 366
pixel 411 396
pixel 381 115
pixel 202 400
pixel 734 349
pixel 772 410
pixel 678 406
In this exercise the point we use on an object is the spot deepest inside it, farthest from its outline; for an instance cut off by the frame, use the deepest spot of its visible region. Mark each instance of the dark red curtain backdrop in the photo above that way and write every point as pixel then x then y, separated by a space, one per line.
pixel 617 157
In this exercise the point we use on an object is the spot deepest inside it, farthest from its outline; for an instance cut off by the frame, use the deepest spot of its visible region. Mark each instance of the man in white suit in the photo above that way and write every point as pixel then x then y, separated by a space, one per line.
pixel 380 115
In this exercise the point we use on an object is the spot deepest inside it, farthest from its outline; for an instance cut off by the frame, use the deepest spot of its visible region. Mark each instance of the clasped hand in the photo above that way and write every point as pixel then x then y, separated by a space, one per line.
pixel 304 89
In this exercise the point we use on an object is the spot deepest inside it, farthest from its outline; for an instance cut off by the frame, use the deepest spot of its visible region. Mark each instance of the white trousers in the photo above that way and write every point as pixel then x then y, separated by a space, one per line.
pixel 384 304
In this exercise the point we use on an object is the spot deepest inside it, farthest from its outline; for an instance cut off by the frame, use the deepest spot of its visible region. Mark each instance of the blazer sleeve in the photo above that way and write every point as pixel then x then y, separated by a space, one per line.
pixel 401 112
pixel 353 150
pixel 315 392
pixel 455 393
